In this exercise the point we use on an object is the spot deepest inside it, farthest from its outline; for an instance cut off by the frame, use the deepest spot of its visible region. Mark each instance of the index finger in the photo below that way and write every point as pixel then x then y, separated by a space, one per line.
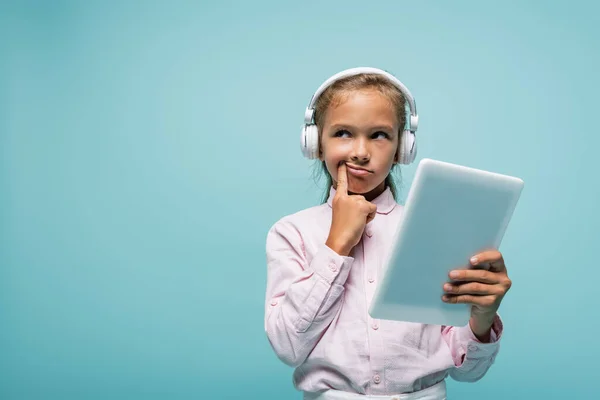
pixel 342 179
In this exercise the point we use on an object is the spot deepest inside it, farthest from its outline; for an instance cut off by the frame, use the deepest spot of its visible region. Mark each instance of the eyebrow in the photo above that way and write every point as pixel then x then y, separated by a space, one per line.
pixel 350 127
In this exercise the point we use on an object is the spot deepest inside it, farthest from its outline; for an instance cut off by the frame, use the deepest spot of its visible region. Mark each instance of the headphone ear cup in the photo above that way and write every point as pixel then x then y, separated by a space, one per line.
pixel 309 141
pixel 408 148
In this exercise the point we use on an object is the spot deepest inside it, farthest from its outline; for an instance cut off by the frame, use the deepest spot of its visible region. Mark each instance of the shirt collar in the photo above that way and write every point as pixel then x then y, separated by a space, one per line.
pixel 385 202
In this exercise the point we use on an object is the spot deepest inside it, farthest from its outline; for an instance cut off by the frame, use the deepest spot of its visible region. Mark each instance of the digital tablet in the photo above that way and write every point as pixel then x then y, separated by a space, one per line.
pixel 451 213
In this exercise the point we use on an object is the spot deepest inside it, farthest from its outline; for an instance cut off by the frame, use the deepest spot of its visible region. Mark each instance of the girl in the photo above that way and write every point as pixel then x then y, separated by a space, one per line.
pixel 324 262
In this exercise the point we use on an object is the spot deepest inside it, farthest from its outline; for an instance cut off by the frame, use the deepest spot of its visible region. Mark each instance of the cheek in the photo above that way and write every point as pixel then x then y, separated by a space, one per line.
pixel 332 162
pixel 333 153
pixel 386 154
pixel 393 152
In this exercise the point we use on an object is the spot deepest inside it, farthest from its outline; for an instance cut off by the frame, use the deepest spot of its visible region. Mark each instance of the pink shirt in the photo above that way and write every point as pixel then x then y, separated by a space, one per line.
pixel 316 316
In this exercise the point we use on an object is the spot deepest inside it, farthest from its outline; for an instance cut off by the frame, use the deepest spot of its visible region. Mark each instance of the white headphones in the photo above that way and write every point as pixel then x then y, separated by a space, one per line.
pixel 309 140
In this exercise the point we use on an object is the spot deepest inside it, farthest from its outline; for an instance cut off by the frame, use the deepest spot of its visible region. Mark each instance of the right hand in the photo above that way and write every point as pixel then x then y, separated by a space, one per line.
pixel 350 215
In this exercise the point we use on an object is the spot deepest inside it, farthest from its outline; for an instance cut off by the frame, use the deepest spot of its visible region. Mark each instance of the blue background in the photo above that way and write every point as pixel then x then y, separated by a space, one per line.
pixel 146 149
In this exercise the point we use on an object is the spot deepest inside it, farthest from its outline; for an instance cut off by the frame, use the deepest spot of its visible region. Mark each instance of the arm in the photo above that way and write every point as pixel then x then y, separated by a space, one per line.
pixel 472 358
pixel 483 288
pixel 302 298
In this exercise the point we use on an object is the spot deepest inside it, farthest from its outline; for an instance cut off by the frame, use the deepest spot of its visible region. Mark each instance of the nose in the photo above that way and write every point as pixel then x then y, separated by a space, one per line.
pixel 360 150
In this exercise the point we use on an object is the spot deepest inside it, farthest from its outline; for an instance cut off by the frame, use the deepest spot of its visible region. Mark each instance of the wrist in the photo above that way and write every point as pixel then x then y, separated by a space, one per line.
pixel 338 246
pixel 481 325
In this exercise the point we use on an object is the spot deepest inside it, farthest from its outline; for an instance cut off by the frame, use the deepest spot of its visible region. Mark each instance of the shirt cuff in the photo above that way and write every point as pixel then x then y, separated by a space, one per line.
pixel 495 334
pixel 478 349
pixel 331 266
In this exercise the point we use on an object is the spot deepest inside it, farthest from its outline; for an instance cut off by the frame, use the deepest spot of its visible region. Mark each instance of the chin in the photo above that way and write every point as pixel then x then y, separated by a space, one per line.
pixel 364 187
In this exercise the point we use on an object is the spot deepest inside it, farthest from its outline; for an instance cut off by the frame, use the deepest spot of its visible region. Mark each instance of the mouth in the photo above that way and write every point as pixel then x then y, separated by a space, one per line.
pixel 356 170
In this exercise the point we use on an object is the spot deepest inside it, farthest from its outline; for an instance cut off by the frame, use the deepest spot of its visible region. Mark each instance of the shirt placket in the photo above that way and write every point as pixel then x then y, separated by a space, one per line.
pixel 376 347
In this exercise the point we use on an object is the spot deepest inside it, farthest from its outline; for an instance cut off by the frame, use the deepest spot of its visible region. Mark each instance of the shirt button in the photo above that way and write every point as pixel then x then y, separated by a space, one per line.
pixel 376 379
pixel 472 347
pixel 333 267
pixel 369 233
pixel 371 280
pixel 375 325
pixel 274 303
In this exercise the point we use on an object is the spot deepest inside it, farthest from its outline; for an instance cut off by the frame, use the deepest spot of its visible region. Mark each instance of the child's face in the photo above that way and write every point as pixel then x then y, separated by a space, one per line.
pixel 362 131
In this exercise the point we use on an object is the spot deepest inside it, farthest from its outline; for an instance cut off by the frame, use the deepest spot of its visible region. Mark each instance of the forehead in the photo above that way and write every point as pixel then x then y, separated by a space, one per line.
pixel 361 108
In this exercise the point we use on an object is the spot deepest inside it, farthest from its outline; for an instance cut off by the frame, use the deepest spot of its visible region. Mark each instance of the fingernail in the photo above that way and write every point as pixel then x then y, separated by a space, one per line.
pixel 447 287
pixel 454 274
pixel 474 260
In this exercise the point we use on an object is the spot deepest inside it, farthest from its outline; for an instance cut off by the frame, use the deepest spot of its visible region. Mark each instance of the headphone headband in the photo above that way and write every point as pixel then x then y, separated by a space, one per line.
pixel 413 121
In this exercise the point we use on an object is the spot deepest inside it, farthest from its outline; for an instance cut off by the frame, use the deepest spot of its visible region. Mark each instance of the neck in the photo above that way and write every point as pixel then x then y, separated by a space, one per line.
pixel 375 192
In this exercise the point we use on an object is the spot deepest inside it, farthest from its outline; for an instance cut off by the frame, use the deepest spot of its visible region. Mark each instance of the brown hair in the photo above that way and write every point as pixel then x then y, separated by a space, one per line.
pixel 334 94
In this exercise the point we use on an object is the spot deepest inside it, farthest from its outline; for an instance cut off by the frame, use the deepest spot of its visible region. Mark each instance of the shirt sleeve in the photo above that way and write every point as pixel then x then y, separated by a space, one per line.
pixel 302 296
pixel 472 358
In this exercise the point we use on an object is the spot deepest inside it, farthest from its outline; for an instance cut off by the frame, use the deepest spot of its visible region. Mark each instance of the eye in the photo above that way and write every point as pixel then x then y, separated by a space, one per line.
pixel 380 135
pixel 341 133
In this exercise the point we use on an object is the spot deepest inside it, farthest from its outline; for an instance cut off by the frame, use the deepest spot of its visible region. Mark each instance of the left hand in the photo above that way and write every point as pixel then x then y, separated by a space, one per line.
pixel 483 288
